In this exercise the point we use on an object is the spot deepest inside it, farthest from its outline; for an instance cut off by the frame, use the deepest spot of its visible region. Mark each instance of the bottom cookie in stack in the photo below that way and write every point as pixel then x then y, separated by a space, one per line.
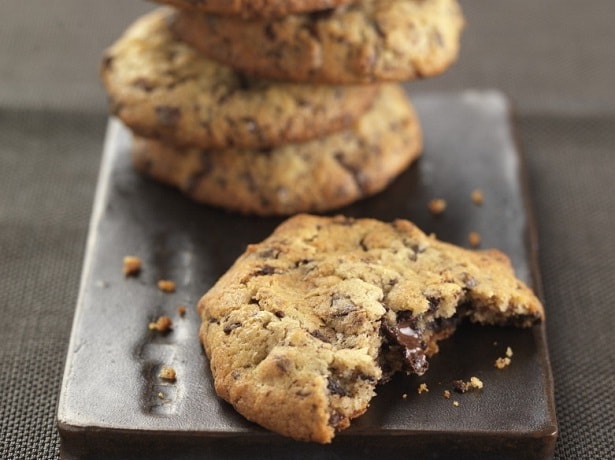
pixel 313 176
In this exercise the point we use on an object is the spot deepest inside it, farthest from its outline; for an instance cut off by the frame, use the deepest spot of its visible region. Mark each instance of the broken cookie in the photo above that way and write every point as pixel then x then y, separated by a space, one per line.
pixel 305 325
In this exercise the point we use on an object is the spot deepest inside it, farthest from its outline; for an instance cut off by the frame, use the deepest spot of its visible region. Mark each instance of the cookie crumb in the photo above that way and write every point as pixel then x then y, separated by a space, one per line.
pixel 460 386
pixel 162 324
pixel 501 363
pixel 404 396
pixel 447 394
pixel 181 309
pixel 132 266
pixel 437 206
pixel 456 403
pixel 168 373
pixel 474 239
pixel 422 388
pixel 161 395
pixel 509 352
pixel 166 286
pixel 477 197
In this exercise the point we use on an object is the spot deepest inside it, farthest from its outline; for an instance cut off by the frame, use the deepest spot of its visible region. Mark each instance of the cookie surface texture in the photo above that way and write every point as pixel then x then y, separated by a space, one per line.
pixel 299 331
pixel 365 42
pixel 313 176
pixel 161 88
pixel 246 9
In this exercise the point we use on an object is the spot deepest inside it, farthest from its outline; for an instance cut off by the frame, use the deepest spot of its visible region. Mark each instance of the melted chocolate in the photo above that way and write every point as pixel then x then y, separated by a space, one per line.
pixel 413 348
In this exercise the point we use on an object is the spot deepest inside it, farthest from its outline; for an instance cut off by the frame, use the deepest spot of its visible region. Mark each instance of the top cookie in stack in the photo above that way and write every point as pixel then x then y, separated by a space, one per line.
pixel 291 110
pixel 367 41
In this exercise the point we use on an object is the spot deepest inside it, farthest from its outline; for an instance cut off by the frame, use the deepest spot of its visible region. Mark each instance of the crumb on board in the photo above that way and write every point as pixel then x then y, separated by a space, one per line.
pixel 473 384
pixel 166 286
pixel 437 206
pixel 447 394
pixel 168 373
pixel 456 403
pixel 132 266
pixel 509 352
pixel 422 388
pixel 502 363
pixel 460 386
pixel 477 197
pixel 181 309
pixel 474 239
pixel 162 324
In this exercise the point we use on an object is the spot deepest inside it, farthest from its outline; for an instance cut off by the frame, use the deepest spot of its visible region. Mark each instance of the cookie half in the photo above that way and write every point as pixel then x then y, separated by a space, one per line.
pixel 255 8
pixel 162 88
pixel 313 176
pixel 365 42
pixel 301 329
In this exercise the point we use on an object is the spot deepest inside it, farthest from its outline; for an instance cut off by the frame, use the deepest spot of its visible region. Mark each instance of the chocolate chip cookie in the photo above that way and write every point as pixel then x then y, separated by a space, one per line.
pixel 304 325
pixel 367 41
pixel 255 8
pixel 313 176
pixel 161 88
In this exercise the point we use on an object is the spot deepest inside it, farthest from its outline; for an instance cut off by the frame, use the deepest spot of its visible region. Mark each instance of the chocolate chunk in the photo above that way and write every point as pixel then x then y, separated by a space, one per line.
pixel 231 327
pixel 408 338
pixel 192 182
pixel 336 418
pixel 433 303
pixel 268 253
pixel 460 386
pixel 341 305
pixel 335 387
pixel 319 335
pixel 107 62
pixel 283 364
pixel 143 84
pixel 265 270
pixel 357 174
pixel 168 115
pixel 321 15
pixel 270 33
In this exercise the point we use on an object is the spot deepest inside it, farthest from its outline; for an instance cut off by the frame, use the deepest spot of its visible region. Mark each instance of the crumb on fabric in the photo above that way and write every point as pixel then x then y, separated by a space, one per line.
pixel 162 324
pixel 132 266
pixel 437 206
pixel 166 286
pixel 477 197
pixel 509 352
pixel 422 388
pixel 456 403
pixel 447 394
pixel 474 239
pixel 168 373
pixel 404 396
pixel 181 309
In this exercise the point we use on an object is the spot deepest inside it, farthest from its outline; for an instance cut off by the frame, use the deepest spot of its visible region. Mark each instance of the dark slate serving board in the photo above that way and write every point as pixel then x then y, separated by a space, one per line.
pixel 110 405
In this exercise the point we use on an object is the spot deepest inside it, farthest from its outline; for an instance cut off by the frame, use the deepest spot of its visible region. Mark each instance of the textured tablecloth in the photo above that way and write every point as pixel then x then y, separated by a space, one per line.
pixel 554 59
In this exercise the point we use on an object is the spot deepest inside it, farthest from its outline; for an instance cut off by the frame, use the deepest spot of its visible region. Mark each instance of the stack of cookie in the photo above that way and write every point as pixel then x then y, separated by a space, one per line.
pixel 278 107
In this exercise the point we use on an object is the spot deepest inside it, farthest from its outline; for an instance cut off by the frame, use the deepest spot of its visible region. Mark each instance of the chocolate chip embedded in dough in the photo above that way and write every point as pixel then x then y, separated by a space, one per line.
pixel 168 115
